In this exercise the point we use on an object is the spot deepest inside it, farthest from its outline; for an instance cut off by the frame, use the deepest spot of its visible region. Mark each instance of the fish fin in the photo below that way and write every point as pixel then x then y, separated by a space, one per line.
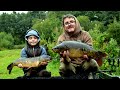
pixel 9 67
pixel 100 56
pixel 99 61
pixel 103 54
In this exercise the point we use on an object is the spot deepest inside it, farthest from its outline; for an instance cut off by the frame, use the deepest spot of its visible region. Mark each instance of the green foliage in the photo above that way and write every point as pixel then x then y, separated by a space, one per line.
pixel 6 40
pixel 53 67
pixel 51 53
pixel 112 48
pixel 19 46
pixel 100 25
pixel 6 57
pixel 96 36
pixel 84 22
pixel 114 30
pixel 48 28
pixel 16 25
pixel 101 42
pixel 37 14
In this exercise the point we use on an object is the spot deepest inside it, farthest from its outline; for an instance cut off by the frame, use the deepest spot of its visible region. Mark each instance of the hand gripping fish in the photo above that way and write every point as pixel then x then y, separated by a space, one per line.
pixel 29 62
pixel 77 49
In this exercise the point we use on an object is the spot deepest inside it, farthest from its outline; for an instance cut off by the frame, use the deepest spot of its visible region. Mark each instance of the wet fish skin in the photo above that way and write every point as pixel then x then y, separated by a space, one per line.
pixel 29 62
pixel 66 45
pixel 78 49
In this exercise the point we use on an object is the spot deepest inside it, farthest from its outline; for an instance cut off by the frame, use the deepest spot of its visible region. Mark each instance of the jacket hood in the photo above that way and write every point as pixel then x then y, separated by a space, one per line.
pixel 78 28
pixel 32 32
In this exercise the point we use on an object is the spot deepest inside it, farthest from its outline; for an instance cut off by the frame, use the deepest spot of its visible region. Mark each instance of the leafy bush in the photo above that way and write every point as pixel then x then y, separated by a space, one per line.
pixel 19 46
pixel 97 36
pixel 48 28
pixel 103 42
pixel 112 48
pixel 101 26
pixel 84 22
pixel 6 41
pixel 114 30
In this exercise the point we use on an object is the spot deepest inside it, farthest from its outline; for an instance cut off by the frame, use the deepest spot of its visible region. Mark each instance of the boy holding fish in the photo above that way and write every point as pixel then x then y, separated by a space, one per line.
pixel 33 49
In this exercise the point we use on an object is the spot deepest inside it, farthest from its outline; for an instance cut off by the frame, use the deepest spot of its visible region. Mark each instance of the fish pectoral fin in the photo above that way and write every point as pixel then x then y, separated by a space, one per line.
pixel 99 61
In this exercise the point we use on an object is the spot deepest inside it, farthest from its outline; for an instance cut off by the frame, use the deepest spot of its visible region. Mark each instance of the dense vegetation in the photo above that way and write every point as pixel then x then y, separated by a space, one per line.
pixel 103 26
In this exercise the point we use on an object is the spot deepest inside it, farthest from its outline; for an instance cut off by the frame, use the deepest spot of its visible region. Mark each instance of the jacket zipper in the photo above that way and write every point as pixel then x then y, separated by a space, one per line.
pixel 33 51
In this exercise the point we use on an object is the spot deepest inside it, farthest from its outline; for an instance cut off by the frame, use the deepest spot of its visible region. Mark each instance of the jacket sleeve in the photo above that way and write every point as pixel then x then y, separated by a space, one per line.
pixel 23 53
pixel 43 51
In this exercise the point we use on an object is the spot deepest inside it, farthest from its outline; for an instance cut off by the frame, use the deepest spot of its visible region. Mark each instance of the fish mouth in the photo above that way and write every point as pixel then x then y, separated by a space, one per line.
pixel 50 57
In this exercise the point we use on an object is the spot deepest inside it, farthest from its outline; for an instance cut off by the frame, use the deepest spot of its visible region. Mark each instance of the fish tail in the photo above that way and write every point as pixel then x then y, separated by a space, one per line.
pixel 103 54
pixel 99 61
pixel 9 67
pixel 99 57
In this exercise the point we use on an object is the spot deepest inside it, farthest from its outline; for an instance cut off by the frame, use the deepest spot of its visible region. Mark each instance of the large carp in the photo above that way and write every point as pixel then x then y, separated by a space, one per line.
pixel 29 62
pixel 78 49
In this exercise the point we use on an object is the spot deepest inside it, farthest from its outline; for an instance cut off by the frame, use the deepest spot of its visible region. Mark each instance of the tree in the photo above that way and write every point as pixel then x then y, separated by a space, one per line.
pixel 114 30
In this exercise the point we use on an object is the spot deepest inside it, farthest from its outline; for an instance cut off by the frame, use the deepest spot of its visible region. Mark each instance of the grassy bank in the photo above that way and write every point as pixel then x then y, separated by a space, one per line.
pixel 8 56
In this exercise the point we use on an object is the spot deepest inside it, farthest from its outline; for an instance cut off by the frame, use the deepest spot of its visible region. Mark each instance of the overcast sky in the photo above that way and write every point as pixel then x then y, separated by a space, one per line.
pixel 9 12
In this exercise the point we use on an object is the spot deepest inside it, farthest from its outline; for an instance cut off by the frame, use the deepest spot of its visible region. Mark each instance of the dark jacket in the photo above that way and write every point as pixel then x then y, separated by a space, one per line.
pixel 33 51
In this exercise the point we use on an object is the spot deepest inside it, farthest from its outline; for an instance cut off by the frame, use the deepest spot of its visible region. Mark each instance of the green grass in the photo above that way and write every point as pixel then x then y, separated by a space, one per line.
pixel 8 56
pixel 53 67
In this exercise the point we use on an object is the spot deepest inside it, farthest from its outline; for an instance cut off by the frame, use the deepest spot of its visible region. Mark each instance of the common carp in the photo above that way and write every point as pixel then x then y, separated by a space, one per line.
pixel 77 49
pixel 29 62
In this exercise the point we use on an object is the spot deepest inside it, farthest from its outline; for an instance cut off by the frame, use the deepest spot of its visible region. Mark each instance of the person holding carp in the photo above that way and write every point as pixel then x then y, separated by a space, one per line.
pixel 73 32
pixel 33 49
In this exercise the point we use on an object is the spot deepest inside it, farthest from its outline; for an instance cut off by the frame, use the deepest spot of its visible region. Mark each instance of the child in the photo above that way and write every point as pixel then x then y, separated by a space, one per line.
pixel 33 49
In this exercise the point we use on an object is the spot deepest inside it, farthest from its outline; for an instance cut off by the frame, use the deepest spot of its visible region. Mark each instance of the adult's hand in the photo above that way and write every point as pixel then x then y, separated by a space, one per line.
pixel 85 56
pixel 44 63
pixel 65 56
pixel 64 53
